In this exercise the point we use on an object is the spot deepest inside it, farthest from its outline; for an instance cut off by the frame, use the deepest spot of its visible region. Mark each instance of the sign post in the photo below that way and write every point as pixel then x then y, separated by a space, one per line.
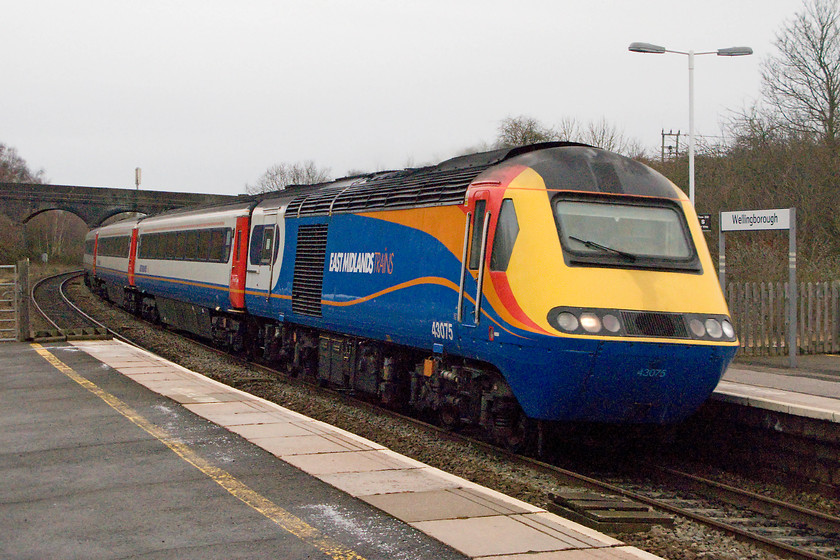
pixel 759 220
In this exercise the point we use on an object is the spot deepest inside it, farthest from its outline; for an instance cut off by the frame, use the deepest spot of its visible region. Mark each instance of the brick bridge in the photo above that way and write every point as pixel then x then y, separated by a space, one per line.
pixel 22 201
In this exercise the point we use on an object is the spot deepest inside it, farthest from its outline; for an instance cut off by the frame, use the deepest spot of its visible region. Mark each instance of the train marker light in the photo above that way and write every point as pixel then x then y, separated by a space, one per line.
pixel 697 328
pixel 611 323
pixel 567 322
pixel 590 322
pixel 713 328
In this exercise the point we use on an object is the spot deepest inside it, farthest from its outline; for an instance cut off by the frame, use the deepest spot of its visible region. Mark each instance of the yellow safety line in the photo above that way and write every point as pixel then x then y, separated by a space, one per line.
pixel 238 489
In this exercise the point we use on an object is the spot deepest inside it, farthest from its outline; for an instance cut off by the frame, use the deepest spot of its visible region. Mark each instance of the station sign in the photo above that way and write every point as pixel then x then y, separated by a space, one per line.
pixel 755 220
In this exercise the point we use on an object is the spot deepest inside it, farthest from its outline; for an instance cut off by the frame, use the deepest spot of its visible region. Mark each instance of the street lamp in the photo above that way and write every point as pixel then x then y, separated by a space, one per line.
pixel 656 49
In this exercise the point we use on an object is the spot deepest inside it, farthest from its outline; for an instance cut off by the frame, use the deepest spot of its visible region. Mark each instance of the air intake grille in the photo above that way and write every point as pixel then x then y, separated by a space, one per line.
pixel 309 270
pixel 402 189
pixel 661 325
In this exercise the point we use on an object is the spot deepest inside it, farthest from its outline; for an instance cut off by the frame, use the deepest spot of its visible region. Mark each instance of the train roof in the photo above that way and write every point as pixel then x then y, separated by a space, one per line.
pixel 442 184
pixel 567 166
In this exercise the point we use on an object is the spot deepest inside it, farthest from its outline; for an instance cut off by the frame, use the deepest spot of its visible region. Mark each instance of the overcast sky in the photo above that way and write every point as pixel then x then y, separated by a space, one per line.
pixel 205 95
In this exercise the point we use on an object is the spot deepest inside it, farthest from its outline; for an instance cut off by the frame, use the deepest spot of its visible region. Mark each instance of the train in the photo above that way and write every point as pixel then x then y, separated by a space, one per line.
pixel 552 283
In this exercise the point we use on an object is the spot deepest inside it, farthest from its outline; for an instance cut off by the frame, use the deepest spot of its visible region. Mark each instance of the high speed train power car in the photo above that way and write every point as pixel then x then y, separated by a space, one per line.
pixel 553 282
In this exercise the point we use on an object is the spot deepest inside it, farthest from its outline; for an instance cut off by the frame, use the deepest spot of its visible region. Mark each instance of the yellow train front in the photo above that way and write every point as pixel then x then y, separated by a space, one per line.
pixel 600 300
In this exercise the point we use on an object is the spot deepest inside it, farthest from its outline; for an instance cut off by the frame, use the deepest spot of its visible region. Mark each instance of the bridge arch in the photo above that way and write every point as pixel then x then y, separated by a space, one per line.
pixel 23 201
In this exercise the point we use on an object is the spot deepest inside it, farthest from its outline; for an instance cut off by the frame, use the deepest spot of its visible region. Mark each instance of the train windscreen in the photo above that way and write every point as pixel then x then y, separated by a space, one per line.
pixel 614 234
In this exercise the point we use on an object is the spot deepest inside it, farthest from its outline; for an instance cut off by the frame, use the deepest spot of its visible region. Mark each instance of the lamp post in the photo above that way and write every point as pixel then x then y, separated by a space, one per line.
pixel 656 49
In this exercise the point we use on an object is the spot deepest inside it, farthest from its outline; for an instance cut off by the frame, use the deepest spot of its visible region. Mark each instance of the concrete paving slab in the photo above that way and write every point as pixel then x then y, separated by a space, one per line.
pixel 284 447
pixel 387 482
pixel 347 462
pixel 455 503
pixel 245 418
pixel 208 410
pixel 509 536
pixel 612 553
pixel 564 529
pixel 277 429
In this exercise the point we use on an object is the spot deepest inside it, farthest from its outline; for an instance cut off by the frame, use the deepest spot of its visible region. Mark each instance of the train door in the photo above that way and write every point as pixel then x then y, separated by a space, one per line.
pixel 476 232
pixel 132 256
pixel 239 263
pixel 267 236
pixel 95 252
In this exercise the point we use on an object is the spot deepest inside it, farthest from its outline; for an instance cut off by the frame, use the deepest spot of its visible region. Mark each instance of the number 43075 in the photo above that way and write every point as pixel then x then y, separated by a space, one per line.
pixel 442 330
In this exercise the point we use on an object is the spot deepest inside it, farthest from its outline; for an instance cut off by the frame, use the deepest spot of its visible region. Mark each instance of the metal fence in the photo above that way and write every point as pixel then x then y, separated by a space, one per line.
pixel 760 315
pixel 8 303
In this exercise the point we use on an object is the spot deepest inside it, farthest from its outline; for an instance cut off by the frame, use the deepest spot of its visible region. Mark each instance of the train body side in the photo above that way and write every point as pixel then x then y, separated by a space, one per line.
pixel 462 300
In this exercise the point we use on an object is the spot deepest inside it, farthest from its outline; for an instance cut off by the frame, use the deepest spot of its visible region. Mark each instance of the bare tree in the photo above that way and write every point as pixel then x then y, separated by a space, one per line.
pixel 13 168
pixel 281 175
pixel 600 133
pixel 521 131
pixel 802 81
pixel 57 234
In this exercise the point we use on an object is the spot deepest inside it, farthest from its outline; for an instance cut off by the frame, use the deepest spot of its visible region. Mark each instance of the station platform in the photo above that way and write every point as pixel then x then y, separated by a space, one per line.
pixel 107 451
pixel 811 390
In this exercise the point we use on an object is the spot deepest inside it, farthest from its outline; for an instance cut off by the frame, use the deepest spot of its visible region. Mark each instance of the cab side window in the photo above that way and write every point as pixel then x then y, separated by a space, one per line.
pixel 507 229
pixel 477 230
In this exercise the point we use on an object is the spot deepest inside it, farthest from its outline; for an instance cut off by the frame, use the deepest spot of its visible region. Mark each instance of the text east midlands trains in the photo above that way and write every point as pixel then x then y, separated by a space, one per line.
pixel 364 263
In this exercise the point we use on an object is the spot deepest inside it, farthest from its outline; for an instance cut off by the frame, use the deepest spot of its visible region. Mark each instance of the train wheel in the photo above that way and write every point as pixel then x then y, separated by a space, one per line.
pixel 523 436
pixel 449 416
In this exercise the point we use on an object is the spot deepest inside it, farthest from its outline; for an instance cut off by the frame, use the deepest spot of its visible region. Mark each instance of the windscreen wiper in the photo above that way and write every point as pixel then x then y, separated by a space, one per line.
pixel 593 245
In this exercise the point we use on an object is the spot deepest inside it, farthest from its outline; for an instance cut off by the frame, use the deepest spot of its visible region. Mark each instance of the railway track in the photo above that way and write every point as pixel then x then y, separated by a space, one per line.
pixel 50 302
pixel 784 529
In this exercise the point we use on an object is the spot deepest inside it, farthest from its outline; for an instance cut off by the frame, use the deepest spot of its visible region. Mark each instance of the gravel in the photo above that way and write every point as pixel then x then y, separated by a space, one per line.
pixel 686 540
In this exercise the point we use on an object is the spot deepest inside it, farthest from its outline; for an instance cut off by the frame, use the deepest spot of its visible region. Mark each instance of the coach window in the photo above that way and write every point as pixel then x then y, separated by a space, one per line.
pixel 477 230
pixel 192 252
pixel 180 245
pixel 228 241
pixel 507 229
pixel 217 244
pixel 204 244
pixel 171 245
pixel 154 242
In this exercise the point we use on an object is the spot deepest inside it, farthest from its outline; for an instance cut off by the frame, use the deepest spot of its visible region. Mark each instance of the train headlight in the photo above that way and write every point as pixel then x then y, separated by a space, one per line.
pixel 697 328
pixel 728 329
pixel 567 322
pixel 611 323
pixel 590 322
pixel 714 328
